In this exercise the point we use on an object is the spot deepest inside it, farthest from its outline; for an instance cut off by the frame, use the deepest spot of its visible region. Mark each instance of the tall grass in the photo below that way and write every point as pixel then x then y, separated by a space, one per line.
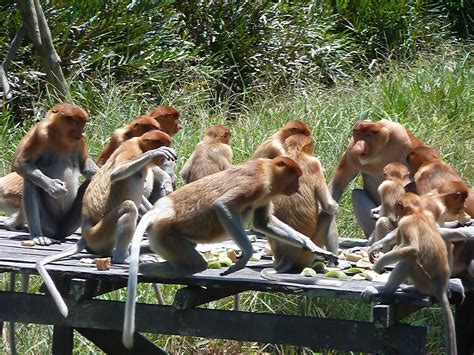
pixel 432 96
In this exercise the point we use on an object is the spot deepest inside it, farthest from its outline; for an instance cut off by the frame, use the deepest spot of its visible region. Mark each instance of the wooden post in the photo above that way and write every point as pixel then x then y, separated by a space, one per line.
pixel 63 340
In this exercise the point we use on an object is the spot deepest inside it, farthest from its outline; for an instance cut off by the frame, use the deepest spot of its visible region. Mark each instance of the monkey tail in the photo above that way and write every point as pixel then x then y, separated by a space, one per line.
pixel 40 266
pixel 129 321
pixel 448 322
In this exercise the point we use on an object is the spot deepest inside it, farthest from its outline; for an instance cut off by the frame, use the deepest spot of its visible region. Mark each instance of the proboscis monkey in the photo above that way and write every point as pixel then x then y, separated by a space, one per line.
pixel 397 176
pixel 430 173
pixel 274 146
pixel 11 192
pixel 168 119
pixel 51 158
pixel 300 211
pixel 373 145
pixel 422 257
pixel 135 128
pixel 209 210
pixel 210 156
pixel 110 208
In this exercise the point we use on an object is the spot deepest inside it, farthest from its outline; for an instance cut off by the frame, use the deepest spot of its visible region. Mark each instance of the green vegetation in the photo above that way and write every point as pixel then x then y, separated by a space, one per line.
pixel 253 65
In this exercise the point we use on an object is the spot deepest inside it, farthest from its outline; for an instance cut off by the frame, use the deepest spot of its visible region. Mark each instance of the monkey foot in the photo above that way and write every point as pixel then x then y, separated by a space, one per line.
pixel 44 241
pixel 368 293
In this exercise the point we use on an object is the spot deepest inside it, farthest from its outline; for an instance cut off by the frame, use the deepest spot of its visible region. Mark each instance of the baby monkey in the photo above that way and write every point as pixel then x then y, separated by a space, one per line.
pixel 397 177
pixel 421 256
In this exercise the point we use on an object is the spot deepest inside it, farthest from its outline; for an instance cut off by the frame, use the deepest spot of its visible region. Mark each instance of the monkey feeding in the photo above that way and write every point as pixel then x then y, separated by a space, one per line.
pixel 207 210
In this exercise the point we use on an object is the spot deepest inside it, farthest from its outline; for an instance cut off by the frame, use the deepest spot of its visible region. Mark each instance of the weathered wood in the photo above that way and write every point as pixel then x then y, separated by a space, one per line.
pixel 63 341
pixel 352 242
pixel 192 296
pixel 313 332
pixel 385 315
pixel 81 289
pixel 102 338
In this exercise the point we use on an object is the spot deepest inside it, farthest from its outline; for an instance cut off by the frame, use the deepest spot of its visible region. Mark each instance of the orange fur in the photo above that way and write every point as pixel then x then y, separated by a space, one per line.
pixel 210 156
pixel 136 128
pixel 168 119
pixel 300 211
pixel 274 146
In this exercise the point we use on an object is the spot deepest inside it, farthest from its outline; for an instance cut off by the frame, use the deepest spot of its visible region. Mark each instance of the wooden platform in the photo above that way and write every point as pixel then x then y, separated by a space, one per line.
pixel 81 283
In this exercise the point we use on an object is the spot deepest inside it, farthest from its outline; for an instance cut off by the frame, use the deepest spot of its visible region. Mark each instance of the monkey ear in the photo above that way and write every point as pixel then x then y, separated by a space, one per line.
pixel 54 110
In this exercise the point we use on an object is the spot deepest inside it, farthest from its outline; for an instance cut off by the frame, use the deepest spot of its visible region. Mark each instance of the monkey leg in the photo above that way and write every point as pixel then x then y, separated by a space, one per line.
pixel 15 222
pixel 36 214
pixel 398 275
pixel 182 259
pixel 363 204
pixel 113 233
pixel 72 220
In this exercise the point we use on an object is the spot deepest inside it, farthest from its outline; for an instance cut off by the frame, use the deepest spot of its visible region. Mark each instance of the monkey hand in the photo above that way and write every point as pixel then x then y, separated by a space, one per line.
pixel 332 207
pixel 165 152
pixel 240 264
pixel 375 212
pixel 56 188
pixel 310 246
pixel 368 293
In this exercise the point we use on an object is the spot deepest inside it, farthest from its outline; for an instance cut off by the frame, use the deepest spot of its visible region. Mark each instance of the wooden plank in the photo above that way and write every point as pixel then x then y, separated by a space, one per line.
pixel 63 340
pixel 385 315
pixel 102 338
pixel 314 332
pixel 192 296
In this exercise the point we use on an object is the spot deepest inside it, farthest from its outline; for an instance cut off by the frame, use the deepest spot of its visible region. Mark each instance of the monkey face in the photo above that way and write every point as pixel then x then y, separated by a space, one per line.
pixel 396 170
pixel 71 118
pixel 287 174
pixel 369 138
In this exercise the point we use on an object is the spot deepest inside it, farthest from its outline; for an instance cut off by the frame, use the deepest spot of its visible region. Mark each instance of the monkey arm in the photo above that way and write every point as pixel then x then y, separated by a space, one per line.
pixel 457 234
pixel 345 173
pixel 186 170
pixel 385 243
pixel 89 169
pixel 30 171
pixel 232 224
pixel 126 170
pixel 268 224
pixel 322 194
pixel 163 179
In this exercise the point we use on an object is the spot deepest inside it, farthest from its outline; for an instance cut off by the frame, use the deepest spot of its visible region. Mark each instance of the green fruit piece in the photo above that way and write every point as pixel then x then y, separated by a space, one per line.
pixel 308 272
pixel 213 264
pixel 256 257
pixel 353 271
pixel 225 261
pixel 319 267
pixel 336 274
pixel 252 238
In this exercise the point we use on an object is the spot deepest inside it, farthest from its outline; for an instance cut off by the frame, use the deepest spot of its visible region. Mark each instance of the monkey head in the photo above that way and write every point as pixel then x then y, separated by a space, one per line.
pixel 369 138
pixel 454 195
pixel 168 119
pixel 140 125
pixel 299 142
pixel 294 127
pixel 420 156
pixel 153 140
pixel 69 119
pixel 286 174
pixel 408 204
pixel 219 134
pixel 396 170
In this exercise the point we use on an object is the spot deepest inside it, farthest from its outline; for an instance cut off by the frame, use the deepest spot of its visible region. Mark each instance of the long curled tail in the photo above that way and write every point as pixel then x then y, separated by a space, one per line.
pixel 40 266
pixel 129 321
